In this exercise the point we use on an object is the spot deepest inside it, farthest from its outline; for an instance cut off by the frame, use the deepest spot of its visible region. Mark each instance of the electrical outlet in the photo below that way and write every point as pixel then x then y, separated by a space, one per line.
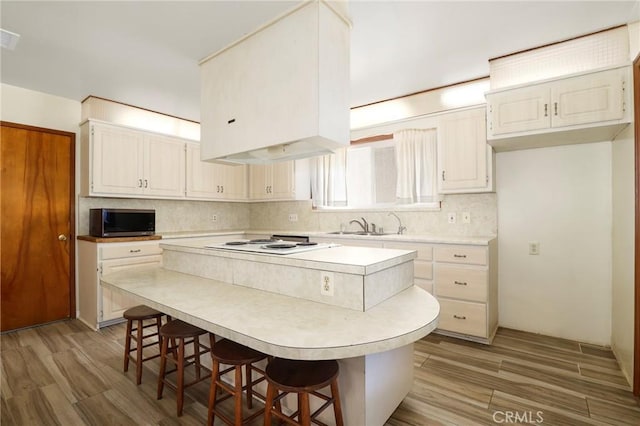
pixel 534 248
pixel 451 218
pixel 293 217
pixel 214 218
pixel 466 217
pixel 326 283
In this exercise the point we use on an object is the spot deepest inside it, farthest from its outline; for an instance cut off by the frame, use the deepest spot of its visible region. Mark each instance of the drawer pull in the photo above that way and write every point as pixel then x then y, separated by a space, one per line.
pixel 459 283
pixel 459 317
pixel 460 255
pixel 135 251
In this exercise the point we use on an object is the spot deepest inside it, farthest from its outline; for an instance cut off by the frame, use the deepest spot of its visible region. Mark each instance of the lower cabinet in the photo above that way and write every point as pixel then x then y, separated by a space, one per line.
pixel 98 306
pixel 422 265
pixel 466 285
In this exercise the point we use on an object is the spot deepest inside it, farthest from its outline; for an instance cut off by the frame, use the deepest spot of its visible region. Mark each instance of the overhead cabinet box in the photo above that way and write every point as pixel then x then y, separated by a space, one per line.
pixel 590 107
pixel 281 92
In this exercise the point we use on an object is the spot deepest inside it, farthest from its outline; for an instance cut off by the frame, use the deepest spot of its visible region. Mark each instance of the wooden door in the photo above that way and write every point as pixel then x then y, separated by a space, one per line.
pixel 36 226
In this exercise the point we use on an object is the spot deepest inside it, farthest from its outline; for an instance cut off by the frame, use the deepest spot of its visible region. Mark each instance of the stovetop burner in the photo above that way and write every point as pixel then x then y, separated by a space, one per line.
pixel 270 246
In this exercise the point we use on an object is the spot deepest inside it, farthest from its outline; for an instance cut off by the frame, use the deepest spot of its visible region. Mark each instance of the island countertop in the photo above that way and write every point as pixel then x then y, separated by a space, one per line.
pixel 281 325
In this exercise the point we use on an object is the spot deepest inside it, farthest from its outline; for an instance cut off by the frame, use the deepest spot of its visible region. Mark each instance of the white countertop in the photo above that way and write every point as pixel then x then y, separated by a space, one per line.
pixel 418 238
pixel 281 325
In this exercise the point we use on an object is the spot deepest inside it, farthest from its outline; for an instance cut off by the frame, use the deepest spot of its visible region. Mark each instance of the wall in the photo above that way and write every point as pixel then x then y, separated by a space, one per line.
pixel 561 198
pixel 173 215
pixel 623 250
pixel 483 208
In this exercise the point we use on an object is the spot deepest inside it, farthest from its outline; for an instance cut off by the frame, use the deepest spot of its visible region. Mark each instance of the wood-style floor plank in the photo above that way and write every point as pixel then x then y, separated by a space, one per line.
pixel 66 374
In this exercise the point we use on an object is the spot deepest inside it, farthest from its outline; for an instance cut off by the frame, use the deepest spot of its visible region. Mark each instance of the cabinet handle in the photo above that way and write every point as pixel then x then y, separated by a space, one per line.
pixel 460 255
pixel 459 283
pixel 459 317
pixel 443 175
pixel 222 189
pixel 218 189
pixel 146 183
pixel 135 251
pixel 546 112
pixel 555 108
pixel 139 183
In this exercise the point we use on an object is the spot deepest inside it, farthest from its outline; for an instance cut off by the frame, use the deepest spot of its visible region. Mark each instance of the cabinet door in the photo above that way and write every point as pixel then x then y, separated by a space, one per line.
pixel 116 156
pixel 587 99
pixel 113 304
pixel 462 152
pixel 260 178
pixel 204 180
pixel 282 182
pixel 519 110
pixel 234 182
pixel 164 163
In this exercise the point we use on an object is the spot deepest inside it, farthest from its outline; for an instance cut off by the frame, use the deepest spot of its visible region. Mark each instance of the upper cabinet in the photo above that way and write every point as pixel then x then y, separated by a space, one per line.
pixel 465 161
pixel 287 180
pixel 211 181
pixel 119 161
pixel 590 107
pixel 279 93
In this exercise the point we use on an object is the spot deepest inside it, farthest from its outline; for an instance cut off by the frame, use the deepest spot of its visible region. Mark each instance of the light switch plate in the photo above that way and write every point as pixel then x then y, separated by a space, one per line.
pixel 451 217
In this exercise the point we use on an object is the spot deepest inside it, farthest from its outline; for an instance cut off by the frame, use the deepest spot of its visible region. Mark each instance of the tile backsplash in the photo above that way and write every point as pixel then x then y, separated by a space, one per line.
pixel 482 208
pixel 184 216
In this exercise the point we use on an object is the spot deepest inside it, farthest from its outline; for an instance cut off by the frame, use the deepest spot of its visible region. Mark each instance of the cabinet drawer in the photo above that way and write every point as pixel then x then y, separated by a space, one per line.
pixel 424 252
pixel 129 250
pixel 422 269
pixel 463 317
pixel 461 283
pixel 462 254
pixel 111 266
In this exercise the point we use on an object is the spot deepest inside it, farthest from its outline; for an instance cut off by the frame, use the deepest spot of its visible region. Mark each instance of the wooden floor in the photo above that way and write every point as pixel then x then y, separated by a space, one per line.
pixel 66 374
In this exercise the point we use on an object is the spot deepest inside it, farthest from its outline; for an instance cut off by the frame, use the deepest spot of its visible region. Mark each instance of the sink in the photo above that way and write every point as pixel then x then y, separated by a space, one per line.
pixel 373 234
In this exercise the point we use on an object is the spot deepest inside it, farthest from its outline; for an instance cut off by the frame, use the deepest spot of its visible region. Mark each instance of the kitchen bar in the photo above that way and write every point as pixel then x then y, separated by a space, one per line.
pixel 374 346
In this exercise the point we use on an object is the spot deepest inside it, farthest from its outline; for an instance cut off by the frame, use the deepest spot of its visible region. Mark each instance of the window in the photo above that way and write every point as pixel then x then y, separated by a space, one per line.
pixel 392 173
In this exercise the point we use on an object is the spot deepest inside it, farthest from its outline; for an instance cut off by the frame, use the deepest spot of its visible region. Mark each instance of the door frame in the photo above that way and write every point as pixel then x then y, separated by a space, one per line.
pixel 72 204
pixel 636 105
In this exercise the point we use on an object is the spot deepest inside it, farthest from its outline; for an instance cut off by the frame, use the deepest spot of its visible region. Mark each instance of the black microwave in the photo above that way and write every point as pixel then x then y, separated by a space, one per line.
pixel 121 222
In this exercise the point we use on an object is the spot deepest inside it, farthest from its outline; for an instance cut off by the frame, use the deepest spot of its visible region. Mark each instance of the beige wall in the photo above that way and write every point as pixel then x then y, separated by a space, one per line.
pixel 561 198
pixel 622 319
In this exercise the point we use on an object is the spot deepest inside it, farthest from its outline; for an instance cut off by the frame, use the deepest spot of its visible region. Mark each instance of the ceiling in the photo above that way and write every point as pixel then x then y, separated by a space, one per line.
pixel 146 53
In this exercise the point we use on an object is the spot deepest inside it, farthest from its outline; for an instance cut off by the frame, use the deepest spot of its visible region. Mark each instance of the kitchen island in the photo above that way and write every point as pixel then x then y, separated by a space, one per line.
pixel 371 335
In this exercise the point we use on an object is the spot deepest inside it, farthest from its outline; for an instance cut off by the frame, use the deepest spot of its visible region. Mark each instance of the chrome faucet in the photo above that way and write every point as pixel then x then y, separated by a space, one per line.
pixel 364 225
pixel 401 228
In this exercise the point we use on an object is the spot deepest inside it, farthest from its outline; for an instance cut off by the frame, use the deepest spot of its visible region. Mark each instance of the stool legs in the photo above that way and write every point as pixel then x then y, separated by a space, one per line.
pixel 337 407
pixel 139 338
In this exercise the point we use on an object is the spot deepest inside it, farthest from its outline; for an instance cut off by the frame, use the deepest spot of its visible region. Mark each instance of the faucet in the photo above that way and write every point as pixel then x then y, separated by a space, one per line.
pixel 401 228
pixel 364 225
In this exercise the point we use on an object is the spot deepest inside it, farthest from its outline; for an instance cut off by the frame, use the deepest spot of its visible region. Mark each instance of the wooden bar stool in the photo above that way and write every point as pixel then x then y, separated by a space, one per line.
pixel 236 356
pixel 140 314
pixel 180 334
pixel 304 378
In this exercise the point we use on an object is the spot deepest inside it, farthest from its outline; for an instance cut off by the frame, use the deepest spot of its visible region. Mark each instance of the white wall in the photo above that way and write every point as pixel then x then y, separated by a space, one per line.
pixel 39 109
pixel 623 250
pixel 561 198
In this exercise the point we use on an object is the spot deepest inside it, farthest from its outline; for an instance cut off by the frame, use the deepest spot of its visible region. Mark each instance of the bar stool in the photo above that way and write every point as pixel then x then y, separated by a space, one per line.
pixel 140 314
pixel 180 334
pixel 236 356
pixel 303 378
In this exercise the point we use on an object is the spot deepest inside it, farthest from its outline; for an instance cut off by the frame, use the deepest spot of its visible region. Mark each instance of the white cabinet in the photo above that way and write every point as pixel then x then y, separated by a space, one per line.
pixel 99 306
pixel 591 107
pixel 124 162
pixel 211 181
pixel 288 180
pixel 465 284
pixel 465 161
pixel 285 83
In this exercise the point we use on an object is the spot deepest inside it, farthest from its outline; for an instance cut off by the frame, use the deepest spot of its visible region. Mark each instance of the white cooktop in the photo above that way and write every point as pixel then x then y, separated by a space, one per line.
pixel 270 247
